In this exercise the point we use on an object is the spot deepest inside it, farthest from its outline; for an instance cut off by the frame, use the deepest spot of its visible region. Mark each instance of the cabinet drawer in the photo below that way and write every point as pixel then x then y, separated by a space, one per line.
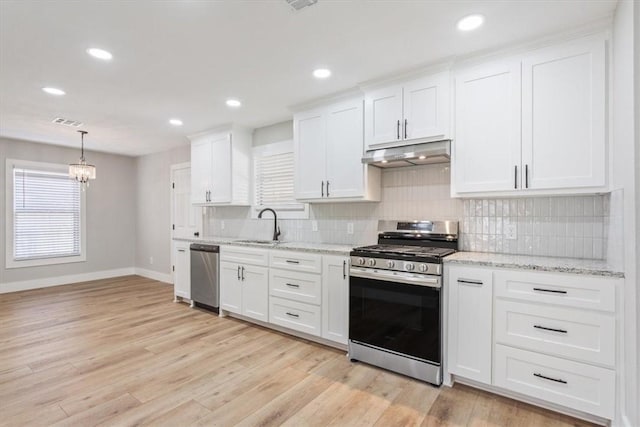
pixel 240 255
pixel 293 285
pixel 578 334
pixel 295 315
pixel 296 261
pixel 576 385
pixel 596 293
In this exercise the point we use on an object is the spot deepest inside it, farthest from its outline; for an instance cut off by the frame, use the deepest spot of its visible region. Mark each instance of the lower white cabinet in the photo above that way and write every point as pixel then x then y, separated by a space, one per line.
pixel 579 386
pixel 181 269
pixel 295 315
pixel 244 288
pixel 335 298
pixel 470 318
pixel 548 336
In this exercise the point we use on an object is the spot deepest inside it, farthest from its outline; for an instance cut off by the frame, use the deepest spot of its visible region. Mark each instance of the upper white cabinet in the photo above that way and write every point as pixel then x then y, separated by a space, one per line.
pixel 534 123
pixel 329 149
pixel 221 167
pixel 564 115
pixel 406 113
pixel 487 141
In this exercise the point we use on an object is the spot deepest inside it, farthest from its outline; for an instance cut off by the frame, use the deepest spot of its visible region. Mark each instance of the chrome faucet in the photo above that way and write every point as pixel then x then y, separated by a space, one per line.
pixel 276 229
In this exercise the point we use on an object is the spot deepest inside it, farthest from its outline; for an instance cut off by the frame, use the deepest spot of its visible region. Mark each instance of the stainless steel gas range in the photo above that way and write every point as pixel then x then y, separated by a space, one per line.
pixel 395 303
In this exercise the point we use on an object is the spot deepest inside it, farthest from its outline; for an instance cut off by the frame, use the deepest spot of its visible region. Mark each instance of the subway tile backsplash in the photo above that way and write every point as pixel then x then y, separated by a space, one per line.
pixel 572 226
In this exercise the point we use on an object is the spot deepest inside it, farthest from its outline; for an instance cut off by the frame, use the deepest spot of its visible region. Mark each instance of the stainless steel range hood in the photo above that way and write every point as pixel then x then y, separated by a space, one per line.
pixel 409 155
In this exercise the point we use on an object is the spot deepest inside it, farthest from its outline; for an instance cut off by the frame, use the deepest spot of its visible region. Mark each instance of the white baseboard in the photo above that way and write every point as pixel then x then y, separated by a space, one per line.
pixel 46 282
pixel 150 274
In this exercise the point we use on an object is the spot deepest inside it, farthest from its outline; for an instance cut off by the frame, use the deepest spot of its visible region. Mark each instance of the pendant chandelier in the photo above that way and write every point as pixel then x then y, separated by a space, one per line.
pixel 81 171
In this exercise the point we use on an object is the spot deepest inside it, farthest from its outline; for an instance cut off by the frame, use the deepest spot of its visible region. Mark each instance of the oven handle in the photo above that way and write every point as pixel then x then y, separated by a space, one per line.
pixel 365 273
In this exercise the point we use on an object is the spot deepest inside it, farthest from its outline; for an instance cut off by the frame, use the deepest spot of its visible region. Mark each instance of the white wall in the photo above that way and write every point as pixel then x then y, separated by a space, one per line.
pixel 111 211
pixel 273 133
pixel 624 180
pixel 153 232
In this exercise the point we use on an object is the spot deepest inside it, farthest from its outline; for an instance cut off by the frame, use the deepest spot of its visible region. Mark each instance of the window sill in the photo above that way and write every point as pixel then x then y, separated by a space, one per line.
pixel 11 263
pixel 283 212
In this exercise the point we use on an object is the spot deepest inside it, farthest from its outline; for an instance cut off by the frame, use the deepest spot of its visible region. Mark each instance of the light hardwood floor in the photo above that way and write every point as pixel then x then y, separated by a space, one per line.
pixel 120 352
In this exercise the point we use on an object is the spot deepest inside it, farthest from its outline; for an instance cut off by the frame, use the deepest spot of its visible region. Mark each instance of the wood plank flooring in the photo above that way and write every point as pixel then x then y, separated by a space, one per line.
pixel 119 352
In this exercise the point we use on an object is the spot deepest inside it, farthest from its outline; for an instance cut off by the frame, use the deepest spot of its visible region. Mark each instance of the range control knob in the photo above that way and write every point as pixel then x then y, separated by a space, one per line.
pixel 361 261
pixel 424 268
pixel 372 262
pixel 409 266
pixel 390 264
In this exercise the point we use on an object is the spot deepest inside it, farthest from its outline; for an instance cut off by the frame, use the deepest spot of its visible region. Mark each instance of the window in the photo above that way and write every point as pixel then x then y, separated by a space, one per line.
pixel 45 215
pixel 274 180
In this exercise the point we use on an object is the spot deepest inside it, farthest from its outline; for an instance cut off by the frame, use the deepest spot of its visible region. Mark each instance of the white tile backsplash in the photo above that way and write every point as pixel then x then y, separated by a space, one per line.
pixel 575 226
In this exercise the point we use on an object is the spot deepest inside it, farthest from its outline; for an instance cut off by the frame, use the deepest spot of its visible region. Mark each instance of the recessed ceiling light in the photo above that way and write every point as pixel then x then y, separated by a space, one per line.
pixel 99 53
pixel 233 103
pixel 321 73
pixel 385 161
pixel 175 122
pixel 470 22
pixel 53 91
pixel 422 157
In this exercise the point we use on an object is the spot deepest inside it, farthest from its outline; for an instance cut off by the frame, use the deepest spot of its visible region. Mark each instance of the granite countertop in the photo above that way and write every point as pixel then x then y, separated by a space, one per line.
pixel 592 267
pixel 332 249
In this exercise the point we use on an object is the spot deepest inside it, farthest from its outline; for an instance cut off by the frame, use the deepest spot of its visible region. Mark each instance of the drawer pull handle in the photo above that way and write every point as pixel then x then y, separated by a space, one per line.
pixel 549 378
pixel 292 314
pixel 293 285
pixel 471 282
pixel 553 291
pixel 290 261
pixel 562 331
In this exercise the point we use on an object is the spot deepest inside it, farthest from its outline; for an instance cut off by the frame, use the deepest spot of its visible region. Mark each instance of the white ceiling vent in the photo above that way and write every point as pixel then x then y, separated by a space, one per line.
pixel 298 5
pixel 67 122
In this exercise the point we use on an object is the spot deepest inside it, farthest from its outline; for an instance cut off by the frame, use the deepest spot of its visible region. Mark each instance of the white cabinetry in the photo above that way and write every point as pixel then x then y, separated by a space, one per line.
pixel 220 167
pixel 335 298
pixel 295 290
pixel 549 336
pixel 329 149
pixel 470 318
pixel 244 282
pixel 534 124
pixel 181 270
pixel 406 113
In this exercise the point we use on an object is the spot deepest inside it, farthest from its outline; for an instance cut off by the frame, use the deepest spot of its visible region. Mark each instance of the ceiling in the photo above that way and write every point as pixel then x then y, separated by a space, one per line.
pixel 185 58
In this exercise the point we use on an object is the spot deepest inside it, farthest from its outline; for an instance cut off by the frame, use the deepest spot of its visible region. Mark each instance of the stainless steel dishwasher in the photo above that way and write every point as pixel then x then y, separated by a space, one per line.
pixel 205 276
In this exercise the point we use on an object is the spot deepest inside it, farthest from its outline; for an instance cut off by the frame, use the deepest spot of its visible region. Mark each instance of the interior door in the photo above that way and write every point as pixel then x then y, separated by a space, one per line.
pixel 184 215
pixel 309 141
pixel 564 115
pixel 487 141
pixel 345 147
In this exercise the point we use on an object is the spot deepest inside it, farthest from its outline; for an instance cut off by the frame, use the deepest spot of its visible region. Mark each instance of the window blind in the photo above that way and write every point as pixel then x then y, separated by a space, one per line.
pixel 46 215
pixel 274 184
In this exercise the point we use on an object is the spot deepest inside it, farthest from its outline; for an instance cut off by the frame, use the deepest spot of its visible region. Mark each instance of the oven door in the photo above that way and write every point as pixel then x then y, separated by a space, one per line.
pixel 400 317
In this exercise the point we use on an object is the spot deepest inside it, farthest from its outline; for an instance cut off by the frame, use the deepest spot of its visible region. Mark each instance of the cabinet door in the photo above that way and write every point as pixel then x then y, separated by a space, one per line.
pixel 221 168
pixel 230 287
pixel 345 147
pixel 383 116
pixel 426 108
pixel 200 170
pixel 335 298
pixel 255 292
pixel 564 116
pixel 182 270
pixel 487 139
pixel 309 143
pixel 470 325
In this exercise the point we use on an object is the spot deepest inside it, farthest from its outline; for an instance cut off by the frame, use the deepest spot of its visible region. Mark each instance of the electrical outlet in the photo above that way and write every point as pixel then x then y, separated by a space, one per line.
pixel 511 231
pixel 221 225
pixel 314 225
pixel 349 228
pixel 150 260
